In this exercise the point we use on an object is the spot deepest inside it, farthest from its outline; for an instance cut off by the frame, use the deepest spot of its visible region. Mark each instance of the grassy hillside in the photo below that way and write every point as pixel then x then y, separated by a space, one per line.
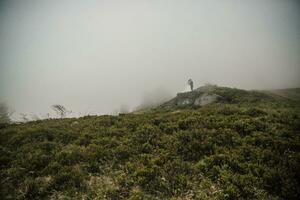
pixel 293 93
pixel 246 146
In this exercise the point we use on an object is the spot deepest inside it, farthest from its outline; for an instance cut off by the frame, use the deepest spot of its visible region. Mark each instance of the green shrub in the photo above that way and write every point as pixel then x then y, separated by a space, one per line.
pixel 246 149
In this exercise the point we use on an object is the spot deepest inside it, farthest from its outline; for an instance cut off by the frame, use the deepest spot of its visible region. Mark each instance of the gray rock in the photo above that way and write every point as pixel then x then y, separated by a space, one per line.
pixel 185 102
pixel 206 99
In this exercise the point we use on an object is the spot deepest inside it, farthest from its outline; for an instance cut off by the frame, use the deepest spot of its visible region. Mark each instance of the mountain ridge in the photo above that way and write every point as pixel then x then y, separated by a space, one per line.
pixel 209 94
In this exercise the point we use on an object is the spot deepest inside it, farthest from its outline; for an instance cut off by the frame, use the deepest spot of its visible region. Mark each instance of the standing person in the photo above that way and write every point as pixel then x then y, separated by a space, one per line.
pixel 191 83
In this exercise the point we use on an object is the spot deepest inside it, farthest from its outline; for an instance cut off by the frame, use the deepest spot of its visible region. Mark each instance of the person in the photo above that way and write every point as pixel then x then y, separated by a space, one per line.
pixel 190 82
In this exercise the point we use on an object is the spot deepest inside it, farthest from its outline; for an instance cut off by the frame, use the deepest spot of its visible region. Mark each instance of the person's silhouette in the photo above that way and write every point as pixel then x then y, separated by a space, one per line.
pixel 191 83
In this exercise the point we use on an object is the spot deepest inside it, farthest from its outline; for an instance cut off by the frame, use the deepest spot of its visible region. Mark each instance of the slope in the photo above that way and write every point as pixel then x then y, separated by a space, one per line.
pixel 245 146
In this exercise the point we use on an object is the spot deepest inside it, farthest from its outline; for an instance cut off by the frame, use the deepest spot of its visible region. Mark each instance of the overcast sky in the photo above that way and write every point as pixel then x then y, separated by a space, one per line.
pixel 93 56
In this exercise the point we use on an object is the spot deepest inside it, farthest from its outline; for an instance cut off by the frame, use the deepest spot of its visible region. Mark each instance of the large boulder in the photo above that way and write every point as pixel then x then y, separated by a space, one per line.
pixel 206 99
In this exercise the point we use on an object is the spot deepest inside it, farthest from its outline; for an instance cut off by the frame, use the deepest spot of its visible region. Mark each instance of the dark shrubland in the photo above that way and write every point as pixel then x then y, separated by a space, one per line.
pixel 244 149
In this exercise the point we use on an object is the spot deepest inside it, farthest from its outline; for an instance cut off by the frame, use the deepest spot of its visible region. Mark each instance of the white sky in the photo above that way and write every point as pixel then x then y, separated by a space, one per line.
pixel 95 56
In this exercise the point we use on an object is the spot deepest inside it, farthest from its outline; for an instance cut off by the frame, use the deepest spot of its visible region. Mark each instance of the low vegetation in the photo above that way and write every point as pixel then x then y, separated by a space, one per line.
pixel 247 147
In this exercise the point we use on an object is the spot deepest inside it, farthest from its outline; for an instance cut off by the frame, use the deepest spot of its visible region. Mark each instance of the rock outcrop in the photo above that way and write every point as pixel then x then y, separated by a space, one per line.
pixel 199 97
pixel 210 94
pixel 205 99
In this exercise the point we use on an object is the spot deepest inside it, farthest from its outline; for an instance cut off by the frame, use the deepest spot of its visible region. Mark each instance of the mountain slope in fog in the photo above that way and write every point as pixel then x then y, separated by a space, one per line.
pixel 245 145
pixel 209 94
pixel 291 93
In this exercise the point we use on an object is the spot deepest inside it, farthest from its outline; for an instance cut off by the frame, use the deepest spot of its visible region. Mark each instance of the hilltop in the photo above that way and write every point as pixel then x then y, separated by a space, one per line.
pixel 212 143
pixel 209 94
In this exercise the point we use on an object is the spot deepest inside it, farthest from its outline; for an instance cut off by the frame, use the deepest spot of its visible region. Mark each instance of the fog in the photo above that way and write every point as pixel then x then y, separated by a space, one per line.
pixel 98 56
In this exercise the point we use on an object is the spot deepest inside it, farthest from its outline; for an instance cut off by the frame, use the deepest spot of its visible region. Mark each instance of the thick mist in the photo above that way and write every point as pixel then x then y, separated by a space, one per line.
pixel 98 57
